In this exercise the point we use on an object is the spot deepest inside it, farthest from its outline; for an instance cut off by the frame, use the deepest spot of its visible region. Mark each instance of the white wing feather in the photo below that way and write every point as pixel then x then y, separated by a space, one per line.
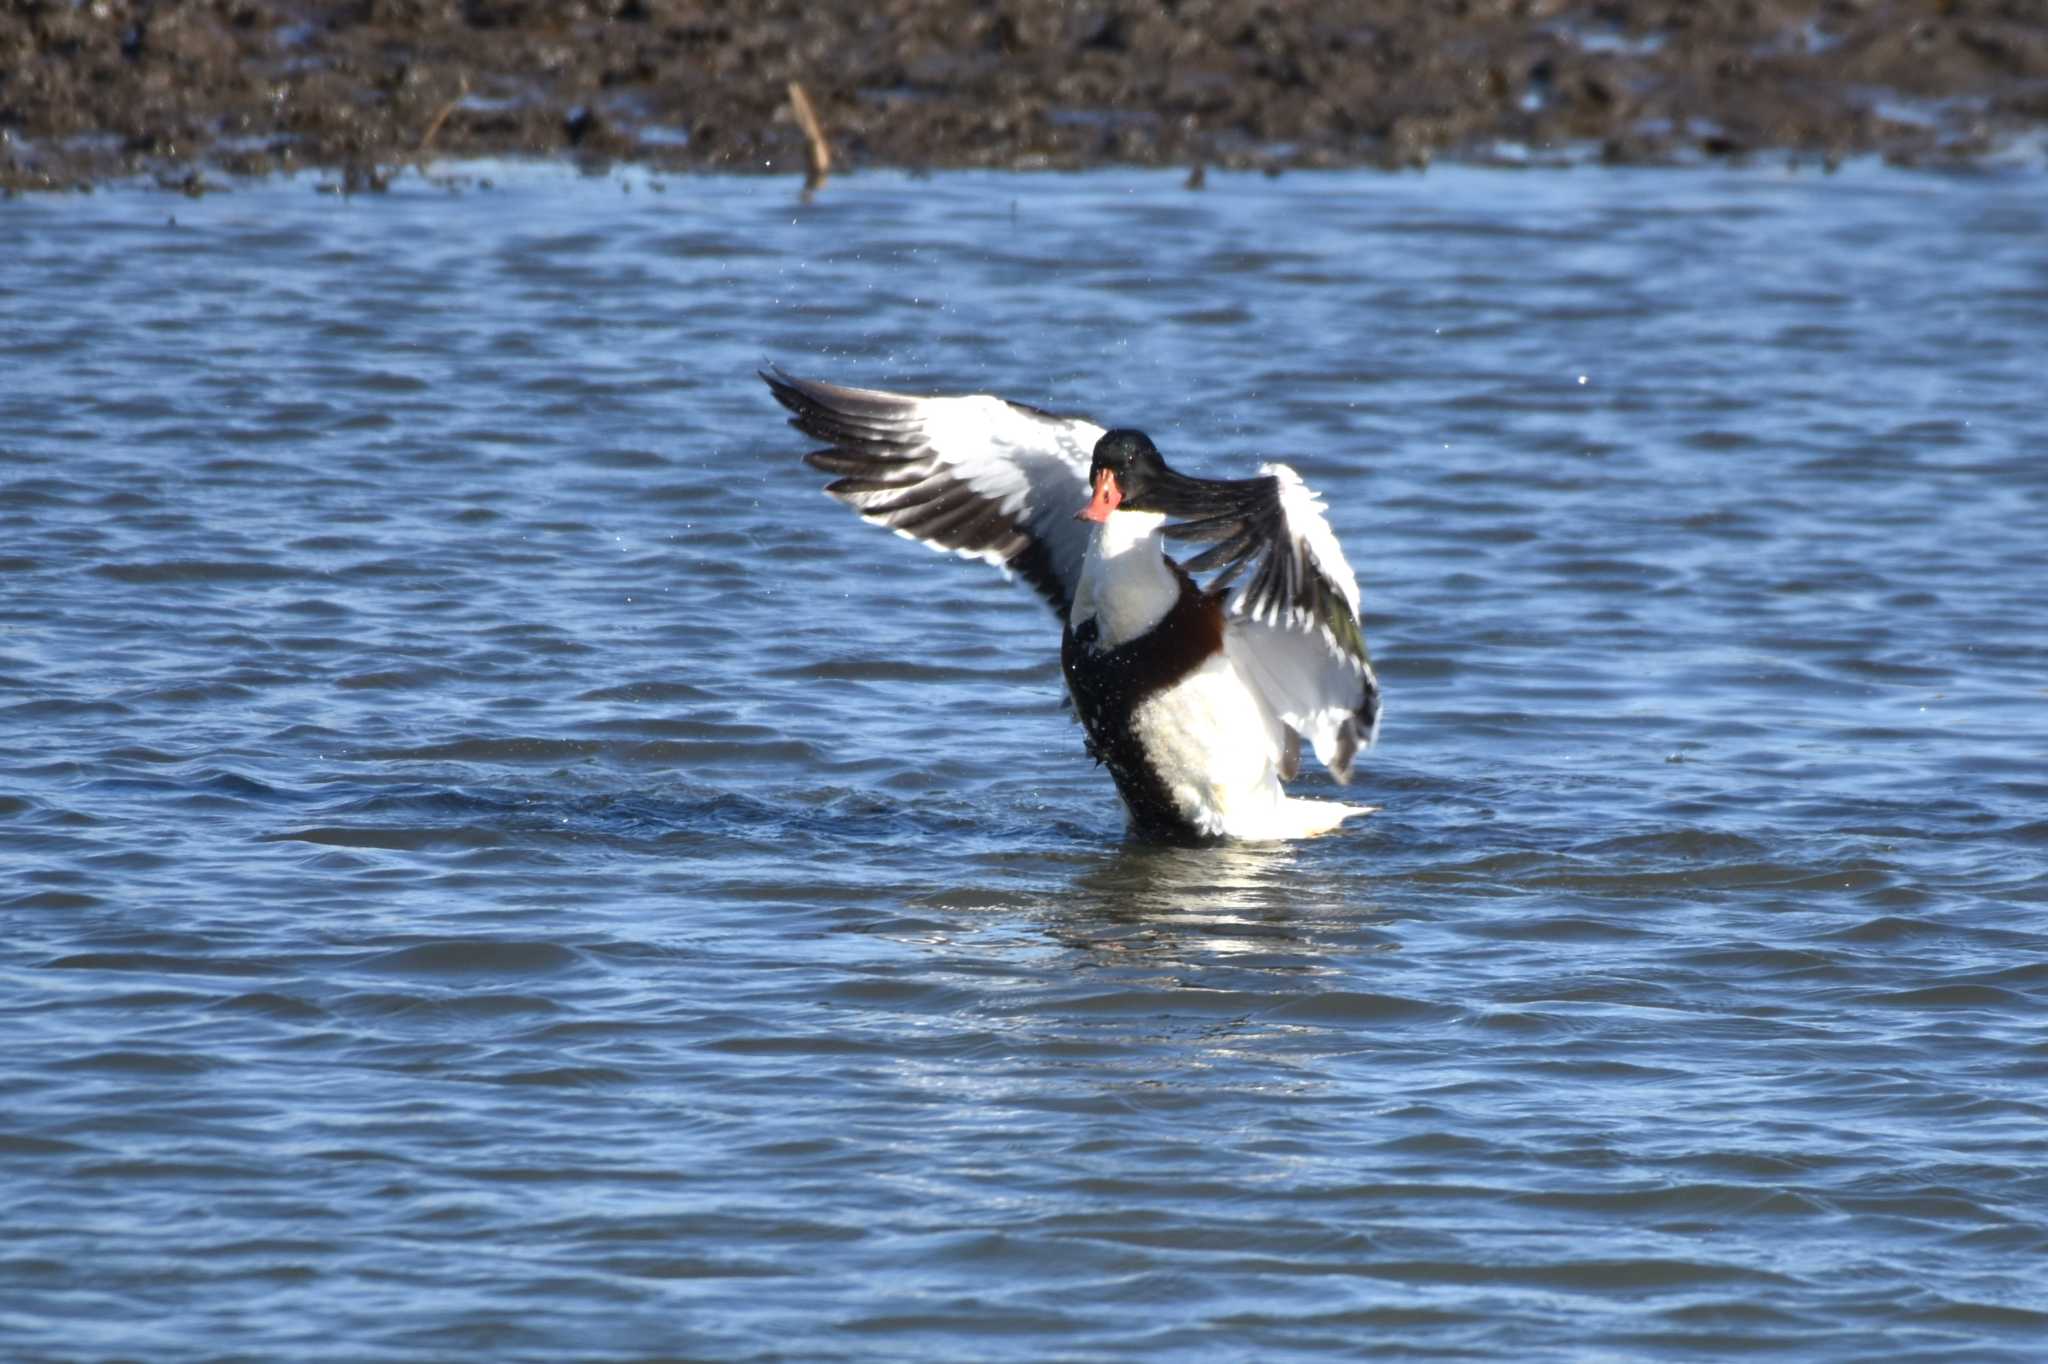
pixel 1305 654
pixel 980 476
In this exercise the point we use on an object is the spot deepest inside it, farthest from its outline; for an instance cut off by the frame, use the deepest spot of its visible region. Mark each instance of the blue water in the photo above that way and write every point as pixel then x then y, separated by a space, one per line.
pixel 495 866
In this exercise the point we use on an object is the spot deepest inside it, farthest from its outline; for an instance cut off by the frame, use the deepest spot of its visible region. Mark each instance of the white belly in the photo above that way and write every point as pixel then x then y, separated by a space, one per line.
pixel 1216 748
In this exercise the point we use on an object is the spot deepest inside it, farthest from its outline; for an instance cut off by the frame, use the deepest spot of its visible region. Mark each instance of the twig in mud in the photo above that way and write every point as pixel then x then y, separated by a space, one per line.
pixel 818 152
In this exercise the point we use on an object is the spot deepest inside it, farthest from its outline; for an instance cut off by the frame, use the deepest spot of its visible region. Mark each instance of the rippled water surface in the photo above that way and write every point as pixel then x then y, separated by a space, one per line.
pixel 494 865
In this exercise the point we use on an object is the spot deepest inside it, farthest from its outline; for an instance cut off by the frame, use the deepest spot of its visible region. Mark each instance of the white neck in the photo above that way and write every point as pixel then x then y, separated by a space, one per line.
pixel 1126 584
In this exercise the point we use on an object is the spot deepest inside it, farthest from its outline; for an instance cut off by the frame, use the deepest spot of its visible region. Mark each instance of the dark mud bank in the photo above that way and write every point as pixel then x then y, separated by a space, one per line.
pixel 194 91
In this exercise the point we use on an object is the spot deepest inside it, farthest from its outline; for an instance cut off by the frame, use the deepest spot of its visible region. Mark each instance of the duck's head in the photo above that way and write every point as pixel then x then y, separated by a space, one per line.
pixel 1127 474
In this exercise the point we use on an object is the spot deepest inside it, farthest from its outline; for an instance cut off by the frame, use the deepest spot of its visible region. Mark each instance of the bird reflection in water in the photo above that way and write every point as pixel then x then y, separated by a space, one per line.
pixel 1226 900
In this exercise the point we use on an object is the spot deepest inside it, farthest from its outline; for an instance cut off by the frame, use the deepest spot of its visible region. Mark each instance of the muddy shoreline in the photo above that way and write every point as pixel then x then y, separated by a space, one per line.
pixel 196 93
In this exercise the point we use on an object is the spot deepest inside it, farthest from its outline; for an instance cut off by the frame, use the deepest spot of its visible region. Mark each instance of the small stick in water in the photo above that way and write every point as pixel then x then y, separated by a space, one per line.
pixel 434 127
pixel 818 151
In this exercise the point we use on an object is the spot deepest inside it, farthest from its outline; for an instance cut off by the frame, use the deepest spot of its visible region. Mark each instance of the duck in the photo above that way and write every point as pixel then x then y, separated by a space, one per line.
pixel 1195 696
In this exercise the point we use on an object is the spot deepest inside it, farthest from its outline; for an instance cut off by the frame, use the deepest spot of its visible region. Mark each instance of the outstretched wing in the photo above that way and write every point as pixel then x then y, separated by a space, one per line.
pixel 981 476
pixel 1293 603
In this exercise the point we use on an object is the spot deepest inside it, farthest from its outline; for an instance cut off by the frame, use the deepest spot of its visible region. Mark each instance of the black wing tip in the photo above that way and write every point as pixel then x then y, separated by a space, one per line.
pixel 842 400
pixel 787 388
pixel 838 461
pixel 861 420
pixel 798 395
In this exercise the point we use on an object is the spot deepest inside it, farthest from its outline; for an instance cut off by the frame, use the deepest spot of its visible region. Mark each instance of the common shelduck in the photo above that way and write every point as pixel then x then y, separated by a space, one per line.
pixel 1196 699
